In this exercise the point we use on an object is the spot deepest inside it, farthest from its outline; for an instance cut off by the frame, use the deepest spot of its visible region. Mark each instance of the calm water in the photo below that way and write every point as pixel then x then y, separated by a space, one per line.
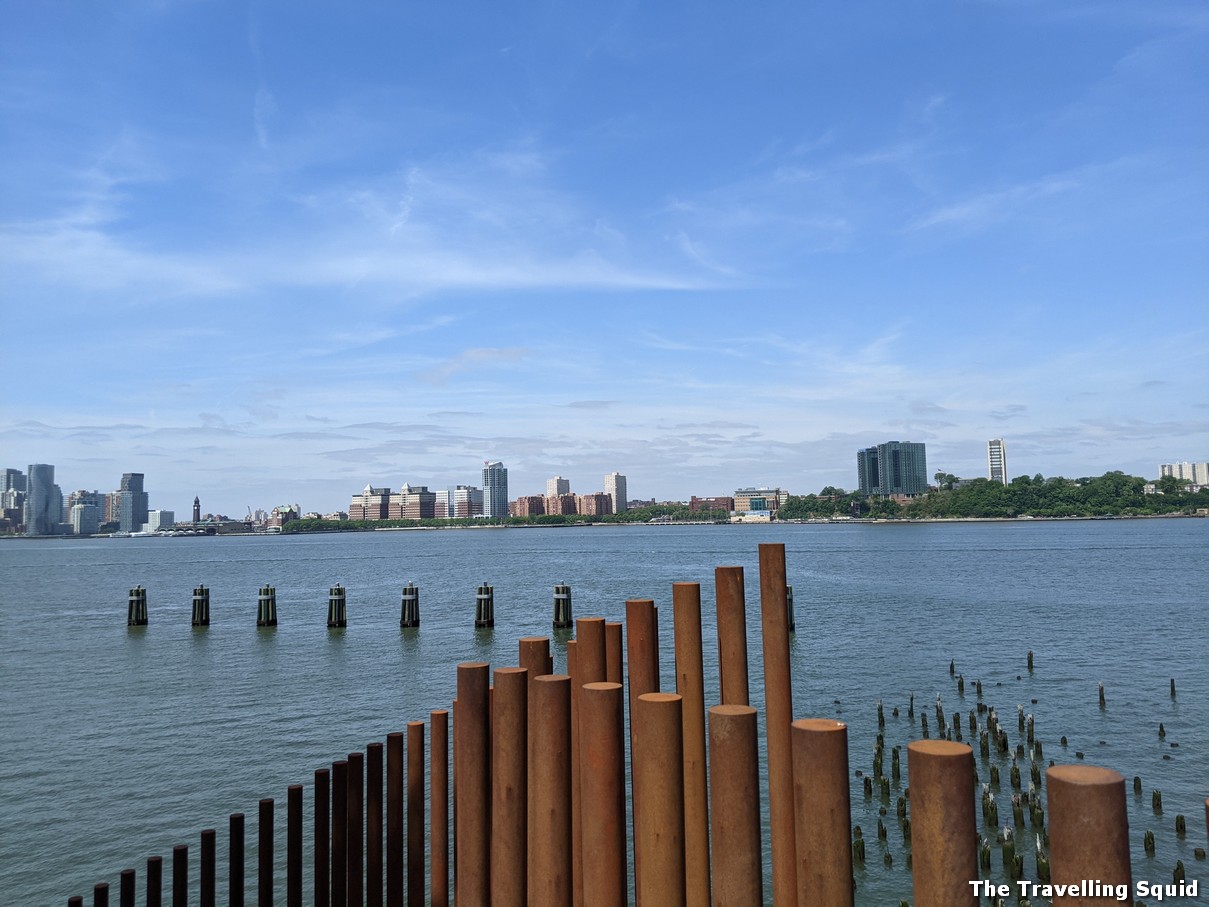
pixel 118 744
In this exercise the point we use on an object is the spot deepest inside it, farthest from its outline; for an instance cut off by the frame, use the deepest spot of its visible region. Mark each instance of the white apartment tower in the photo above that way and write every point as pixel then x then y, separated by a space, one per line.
pixel 1196 473
pixel 615 489
pixel 997 461
pixel 495 489
pixel 556 486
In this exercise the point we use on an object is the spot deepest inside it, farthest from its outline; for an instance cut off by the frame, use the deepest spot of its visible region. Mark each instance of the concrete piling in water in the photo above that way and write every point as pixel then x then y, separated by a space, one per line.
pixel 266 607
pixel 944 830
pixel 734 786
pixel 509 787
pixel 690 684
pixel 472 790
pixel 136 607
pixel 484 606
pixel 321 872
pixel 658 770
pixel 822 813
pixel 337 613
pixel 1089 830
pixel 603 817
pixel 415 813
pixel 563 619
pixel 409 607
pixel 732 634
pixel 438 807
pixel 201 606
pixel 549 844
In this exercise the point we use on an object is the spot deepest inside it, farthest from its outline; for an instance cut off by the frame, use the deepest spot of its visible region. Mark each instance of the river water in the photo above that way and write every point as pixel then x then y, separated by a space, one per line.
pixel 116 744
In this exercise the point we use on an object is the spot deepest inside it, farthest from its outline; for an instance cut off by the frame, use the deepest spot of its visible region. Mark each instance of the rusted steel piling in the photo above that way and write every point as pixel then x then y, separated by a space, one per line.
pixel 944 832
pixel 642 666
pixel 155 879
pixel 734 790
pixel 126 887
pixel 322 896
pixel 180 875
pixel 614 666
pixel 822 813
pixel 1089 831
pixel 732 634
pixel 415 813
pixel 549 845
pixel 690 684
pixel 602 752
pixel 355 879
pixel 293 846
pixel 209 869
pixel 509 787
pixel 235 864
pixel 264 854
pixel 535 657
pixel 778 694
pixel 373 825
pixel 439 809
pixel 339 874
pixel 658 768
pixel 472 791
pixel 100 895
pixel 394 819
pixel 591 666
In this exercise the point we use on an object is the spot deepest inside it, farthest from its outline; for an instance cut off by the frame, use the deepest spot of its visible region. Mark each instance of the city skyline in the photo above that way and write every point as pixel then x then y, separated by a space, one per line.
pixel 265 256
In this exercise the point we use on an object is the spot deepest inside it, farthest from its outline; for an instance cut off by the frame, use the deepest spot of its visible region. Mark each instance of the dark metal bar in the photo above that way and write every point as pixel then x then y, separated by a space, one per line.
pixel 180 875
pixel 155 881
pixel 100 895
pixel 373 825
pixel 323 837
pixel 415 812
pixel 293 846
pixel 356 830
pixel 235 862
pixel 394 820
pixel 209 861
pixel 264 854
pixel 340 834
pixel 126 888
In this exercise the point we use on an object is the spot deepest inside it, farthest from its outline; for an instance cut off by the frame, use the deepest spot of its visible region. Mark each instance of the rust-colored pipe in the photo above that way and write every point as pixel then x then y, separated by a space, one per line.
pixel 944 836
pixel 734 793
pixel 356 829
pixel 642 665
pixel 659 786
pixel 1089 831
pixel 613 664
pixel 690 684
pixel 535 656
pixel 472 786
pixel 778 707
pixel 264 854
pixel 577 882
pixel 394 819
pixel 438 771
pixel 209 871
pixel 235 866
pixel 602 751
pixel 323 833
pixel 415 814
pixel 293 846
pixel 591 666
pixel 823 813
pixel 549 851
pixel 509 787
pixel 339 875
pixel 373 825
pixel 732 634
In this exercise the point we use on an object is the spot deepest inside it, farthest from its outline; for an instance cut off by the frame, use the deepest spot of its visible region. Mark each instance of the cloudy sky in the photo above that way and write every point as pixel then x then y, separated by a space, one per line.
pixel 268 252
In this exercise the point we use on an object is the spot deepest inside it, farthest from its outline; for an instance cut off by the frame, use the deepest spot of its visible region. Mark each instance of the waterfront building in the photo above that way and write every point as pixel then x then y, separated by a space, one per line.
pixel 85 519
pixel 159 519
pixel 282 514
pixel 12 480
pixel 596 504
pixel 753 499
pixel 1196 473
pixel 371 504
pixel 895 467
pixel 495 489
pixel 413 502
pixel 557 485
pixel 132 502
pixel 561 505
pixel 43 500
pixel 997 461
pixel 696 504
pixel 528 505
pixel 615 488
pixel 467 502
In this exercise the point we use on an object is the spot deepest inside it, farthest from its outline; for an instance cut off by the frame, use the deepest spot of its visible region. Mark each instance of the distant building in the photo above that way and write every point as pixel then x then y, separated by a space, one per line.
pixel 696 504
pixel 159 519
pixel 596 504
pixel 196 509
pixel 282 514
pixel 85 519
pixel 614 486
pixel 132 503
pixel 371 504
pixel 1196 473
pixel 561 505
pixel 467 502
pixel 896 467
pixel 997 461
pixel 413 502
pixel 529 505
pixel 43 500
pixel 556 486
pixel 495 489
pixel 757 499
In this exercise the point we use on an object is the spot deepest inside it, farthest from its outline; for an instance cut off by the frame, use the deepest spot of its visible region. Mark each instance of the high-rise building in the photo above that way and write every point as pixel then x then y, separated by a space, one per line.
pixel 1196 473
pixel 495 489
pixel 12 480
pixel 596 504
pixel 556 486
pixel 895 467
pixel 467 502
pixel 159 519
pixel 85 519
pixel 997 461
pixel 43 500
pixel 615 489
pixel 132 503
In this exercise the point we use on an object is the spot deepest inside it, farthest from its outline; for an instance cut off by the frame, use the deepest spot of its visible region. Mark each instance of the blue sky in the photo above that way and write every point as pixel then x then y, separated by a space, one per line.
pixel 270 252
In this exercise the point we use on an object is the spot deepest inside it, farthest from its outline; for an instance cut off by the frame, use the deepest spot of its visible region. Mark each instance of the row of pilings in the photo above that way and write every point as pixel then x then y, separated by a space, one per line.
pixel 541 815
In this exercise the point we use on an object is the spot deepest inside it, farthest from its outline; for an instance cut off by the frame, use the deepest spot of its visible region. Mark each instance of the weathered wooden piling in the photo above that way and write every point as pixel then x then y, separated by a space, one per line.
pixel 472 790
pixel 235 863
pixel 373 824
pixel 690 684
pixel 549 844
pixel 778 715
pixel 415 813
pixel 264 854
pixel 201 606
pixel 732 634
pixel 484 606
pixel 136 607
pixel 562 607
pixel 1089 829
pixel 734 788
pixel 155 881
pixel 822 813
pixel 509 787
pixel 207 875
pixel 658 770
pixel 944 831
pixel 266 607
pixel 409 606
pixel 438 829
pixel 602 756
pixel 322 895
pixel 1102 702
pixel 180 875
pixel 337 612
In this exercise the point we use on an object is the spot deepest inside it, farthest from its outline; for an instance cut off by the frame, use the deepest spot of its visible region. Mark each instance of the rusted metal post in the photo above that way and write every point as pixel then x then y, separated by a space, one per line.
pixel 76 900
pixel 778 695
pixel 264 854
pixel 734 793
pixel 339 875
pixel 642 665
pixel 293 846
pixel 577 887
pixel 439 809
pixel 180 875
pixel 549 850
pixel 155 879
pixel 591 666
pixel 602 752
pixel 732 634
pixel 822 811
pixel 373 825
pixel 415 812
pixel 659 782
pixel 235 863
pixel 209 870
pixel 472 790
pixel 509 787
pixel 614 666
pixel 535 656
pixel 100 895
pixel 126 888
pixel 690 684
pixel 944 835
pixel 1089 831
pixel 323 837
pixel 394 820
pixel 356 829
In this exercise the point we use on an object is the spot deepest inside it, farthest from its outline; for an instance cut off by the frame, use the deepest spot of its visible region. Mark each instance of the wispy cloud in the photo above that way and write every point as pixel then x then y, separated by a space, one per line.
pixel 474 360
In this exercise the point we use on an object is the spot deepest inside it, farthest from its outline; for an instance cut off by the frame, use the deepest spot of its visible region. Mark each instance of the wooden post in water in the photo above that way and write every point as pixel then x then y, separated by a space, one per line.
pixel 439 809
pixel 155 880
pixel 209 869
pixel 484 608
pixel 562 607
pixel 323 831
pixel 136 607
pixel 337 607
pixel 1089 830
pixel 373 824
pixel 690 684
pixel 823 818
pixel 778 694
pixel 549 846
pixel 266 606
pixel 339 874
pixel 732 634
pixel 180 875
pixel 509 787
pixel 659 782
pixel 734 782
pixel 472 789
pixel 201 606
pixel 602 753
pixel 944 833
pixel 415 812
pixel 293 846
pixel 409 611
